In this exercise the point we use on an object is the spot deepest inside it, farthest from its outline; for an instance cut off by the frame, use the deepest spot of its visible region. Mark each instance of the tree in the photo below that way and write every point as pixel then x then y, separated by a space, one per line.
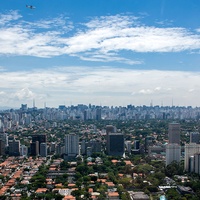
pixel 174 168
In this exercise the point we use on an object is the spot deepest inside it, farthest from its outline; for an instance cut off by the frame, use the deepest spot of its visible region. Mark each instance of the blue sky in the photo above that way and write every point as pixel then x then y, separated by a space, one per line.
pixel 108 52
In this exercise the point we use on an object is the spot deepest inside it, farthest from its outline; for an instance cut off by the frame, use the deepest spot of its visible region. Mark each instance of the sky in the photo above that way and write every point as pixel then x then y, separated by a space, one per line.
pixel 100 52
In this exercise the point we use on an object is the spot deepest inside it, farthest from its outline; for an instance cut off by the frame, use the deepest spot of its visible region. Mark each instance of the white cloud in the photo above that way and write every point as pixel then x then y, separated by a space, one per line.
pixel 110 86
pixel 8 17
pixel 99 39
pixel 24 94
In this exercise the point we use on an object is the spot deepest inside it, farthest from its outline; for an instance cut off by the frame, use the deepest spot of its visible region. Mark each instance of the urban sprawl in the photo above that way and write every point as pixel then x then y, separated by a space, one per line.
pixel 100 152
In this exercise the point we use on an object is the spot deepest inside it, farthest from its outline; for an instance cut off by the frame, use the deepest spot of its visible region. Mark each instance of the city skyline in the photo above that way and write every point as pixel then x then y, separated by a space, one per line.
pixel 100 52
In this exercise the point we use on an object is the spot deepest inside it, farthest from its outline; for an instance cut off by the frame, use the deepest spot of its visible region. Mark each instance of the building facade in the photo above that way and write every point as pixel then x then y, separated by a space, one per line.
pixel 174 133
pixel 173 153
pixel 115 144
pixel 71 145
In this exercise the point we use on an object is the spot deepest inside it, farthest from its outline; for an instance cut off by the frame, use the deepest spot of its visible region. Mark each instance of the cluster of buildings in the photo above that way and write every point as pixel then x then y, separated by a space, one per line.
pixel 69 148
pixel 115 144
pixel 190 153
pixel 11 146
pixel 25 116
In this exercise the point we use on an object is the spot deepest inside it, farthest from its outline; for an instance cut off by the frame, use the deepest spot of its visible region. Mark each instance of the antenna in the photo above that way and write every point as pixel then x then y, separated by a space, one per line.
pixel 151 104
pixel 33 103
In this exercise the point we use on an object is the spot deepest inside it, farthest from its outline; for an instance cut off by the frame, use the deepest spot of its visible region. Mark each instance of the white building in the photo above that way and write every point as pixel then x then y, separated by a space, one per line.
pixel 173 153
pixel 23 150
pixel 190 150
pixel 71 145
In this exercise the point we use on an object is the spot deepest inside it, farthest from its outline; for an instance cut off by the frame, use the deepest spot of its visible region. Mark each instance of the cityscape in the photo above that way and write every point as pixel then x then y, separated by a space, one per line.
pixel 100 152
pixel 99 100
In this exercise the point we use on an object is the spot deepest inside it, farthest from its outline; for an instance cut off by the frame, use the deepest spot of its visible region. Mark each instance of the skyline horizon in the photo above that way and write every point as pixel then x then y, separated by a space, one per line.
pixel 97 105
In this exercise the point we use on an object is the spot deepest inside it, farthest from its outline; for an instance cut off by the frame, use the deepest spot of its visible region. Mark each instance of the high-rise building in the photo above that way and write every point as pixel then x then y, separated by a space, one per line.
pixel 43 149
pixel 109 129
pixel 115 144
pixel 95 145
pixel 195 137
pixel 24 107
pixel 128 146
pixel 53 147
pixel 148 143
pixel 98 114
pixel 197 163
pixel 71 145
pixel 190 150
pixel 173 153
pixel 174 133
pixel 14 148
pixel 23 150
pixel 2 147
pixel 4 138
pixel 191 164
pixel 36 147
pixel 83 147
pixel 59 148
pixel 136 144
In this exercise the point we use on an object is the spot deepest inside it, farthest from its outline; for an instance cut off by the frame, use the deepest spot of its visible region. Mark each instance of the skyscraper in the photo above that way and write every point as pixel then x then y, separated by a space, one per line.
pixel 190 150
pixel 109 129
pixel 23 150
pixel 71 145
pixel 115 144
pixel 43 149
pixel 197 163
pixel 174 133
pixel 14 148
pixel 173 153
pixel 35 148
pixel 195 137
pixel 98 114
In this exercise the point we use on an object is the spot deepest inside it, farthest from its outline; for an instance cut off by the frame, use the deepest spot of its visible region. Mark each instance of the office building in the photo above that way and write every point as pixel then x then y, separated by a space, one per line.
pixel 191 164
pixel 98 114
pixel 43 149
pixel 128 146
pixel 174 133
pixel 136 144
pixel 109 129
pixel 60 149
pixel 115 144
pixel 23 150
pixel 24 107
pixel 197 163
pixel 35 148
pixel 190 150
pixel 148 143
pixel 195 137
pixel 173 153
pixel 14 148
pixel 71 146
pixel 4 138
pixel 2 147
